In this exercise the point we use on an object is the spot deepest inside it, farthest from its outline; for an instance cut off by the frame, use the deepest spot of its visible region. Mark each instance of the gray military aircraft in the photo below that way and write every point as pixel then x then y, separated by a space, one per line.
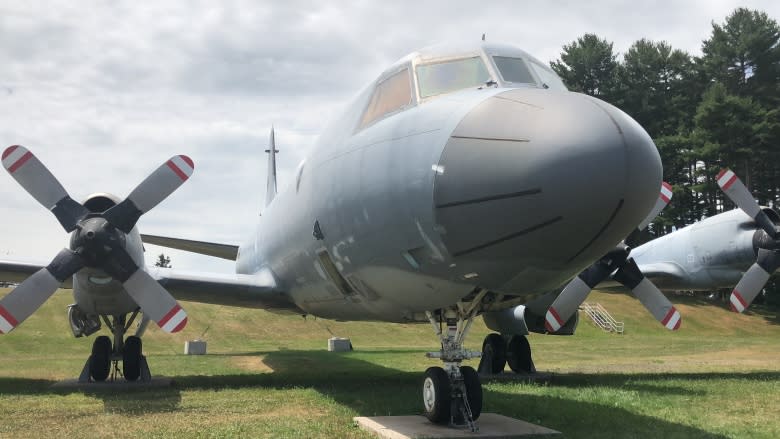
pixel 465 180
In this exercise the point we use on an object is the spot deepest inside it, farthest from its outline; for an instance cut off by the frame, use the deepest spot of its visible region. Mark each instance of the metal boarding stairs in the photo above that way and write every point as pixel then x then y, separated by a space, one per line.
pixel 602 318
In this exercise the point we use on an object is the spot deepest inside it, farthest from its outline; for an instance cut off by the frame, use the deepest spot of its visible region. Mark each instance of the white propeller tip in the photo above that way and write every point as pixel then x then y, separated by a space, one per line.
pixel 552 321
pixel 738 303
pixel 672 319
pixel 173 321
pixel 7 321
pixel 726 178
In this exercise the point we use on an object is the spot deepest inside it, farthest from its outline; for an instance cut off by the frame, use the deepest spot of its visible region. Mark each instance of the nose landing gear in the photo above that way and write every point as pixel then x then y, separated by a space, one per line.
pixel 103 364
pixel 453 394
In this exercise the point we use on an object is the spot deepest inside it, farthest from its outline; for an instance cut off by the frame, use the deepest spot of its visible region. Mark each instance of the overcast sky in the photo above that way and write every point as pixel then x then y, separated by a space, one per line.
pixel 103 92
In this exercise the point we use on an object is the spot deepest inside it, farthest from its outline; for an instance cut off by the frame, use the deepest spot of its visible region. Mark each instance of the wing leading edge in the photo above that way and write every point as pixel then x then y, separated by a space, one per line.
pixel 224 251
pixel 249 291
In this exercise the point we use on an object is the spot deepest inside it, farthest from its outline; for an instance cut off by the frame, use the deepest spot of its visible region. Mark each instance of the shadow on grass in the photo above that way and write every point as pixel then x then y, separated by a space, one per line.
pixel 371 389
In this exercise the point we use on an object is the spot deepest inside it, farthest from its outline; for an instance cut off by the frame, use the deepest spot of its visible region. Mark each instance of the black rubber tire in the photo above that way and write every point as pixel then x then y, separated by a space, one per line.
pixel 494 347
pixel 437 395
pixel 100 360
pixel 131 358
pixel 473 390
pixel 518 355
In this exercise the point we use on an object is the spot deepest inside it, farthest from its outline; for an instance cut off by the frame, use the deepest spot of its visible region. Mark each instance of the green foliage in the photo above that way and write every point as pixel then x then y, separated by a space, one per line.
pixel 163 261
pixel 588 65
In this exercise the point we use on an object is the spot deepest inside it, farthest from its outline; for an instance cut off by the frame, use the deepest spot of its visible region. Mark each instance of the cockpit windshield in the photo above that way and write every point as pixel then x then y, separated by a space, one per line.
pixel 513 70
pixel 444 77
pixel 547 76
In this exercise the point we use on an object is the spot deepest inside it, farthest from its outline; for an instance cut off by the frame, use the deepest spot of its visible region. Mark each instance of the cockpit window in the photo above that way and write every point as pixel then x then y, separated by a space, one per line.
pixel 390 95
pixel 514 70
pixel 548 77
pixel 444 77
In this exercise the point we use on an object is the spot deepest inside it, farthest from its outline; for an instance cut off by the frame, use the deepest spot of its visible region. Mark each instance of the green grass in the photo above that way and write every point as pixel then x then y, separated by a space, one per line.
pixel 270 376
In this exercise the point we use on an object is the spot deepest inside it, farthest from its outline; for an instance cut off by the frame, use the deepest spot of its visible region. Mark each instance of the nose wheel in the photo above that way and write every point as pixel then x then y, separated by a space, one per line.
pixel 452 395
pixel 103 364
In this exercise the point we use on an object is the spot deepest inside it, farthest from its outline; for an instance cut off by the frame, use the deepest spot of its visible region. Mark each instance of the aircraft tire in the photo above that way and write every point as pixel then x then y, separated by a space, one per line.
pixel 519 355
pixel 494 349
pixel 437 395
pixel 131 358
pixel 473 390
pixel 100 360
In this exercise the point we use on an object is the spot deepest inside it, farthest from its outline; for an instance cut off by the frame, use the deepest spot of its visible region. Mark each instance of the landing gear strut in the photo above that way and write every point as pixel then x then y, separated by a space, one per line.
pixel 453 394
pixel 104 361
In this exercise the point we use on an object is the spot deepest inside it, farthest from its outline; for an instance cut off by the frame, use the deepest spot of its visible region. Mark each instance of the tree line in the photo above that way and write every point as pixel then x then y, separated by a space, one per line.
pixel 704 112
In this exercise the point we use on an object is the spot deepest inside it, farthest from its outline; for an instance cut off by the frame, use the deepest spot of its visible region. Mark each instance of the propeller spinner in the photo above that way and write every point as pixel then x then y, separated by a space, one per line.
pixel 97 240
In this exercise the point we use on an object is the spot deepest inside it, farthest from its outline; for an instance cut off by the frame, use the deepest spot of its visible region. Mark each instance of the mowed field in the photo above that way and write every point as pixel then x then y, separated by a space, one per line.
pixel 271 376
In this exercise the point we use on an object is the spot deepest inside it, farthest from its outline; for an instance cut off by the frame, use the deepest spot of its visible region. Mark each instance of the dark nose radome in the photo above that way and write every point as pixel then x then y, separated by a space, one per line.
pixel 534 182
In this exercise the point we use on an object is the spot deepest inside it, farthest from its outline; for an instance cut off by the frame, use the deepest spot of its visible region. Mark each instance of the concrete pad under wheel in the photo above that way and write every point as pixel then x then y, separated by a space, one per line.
pixel 119 384
pixel 490 425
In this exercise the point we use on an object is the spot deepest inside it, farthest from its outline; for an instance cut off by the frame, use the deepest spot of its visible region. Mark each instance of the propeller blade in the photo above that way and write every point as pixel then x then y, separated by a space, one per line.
pixel 155 188
pixel 39 182
pixel 733 187
pixel 155 301
pixel 572 296
pixel 663 200
pixel 754 279
pixel 651 297
pixel 20 303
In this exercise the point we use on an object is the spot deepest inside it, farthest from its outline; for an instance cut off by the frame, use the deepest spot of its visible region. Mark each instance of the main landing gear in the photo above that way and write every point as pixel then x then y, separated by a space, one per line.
pixel 103 363
pixel 452 394
pixel 499 350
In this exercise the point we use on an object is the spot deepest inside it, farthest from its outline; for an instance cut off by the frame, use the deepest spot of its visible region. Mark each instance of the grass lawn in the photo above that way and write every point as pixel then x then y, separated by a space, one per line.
pixel 271 376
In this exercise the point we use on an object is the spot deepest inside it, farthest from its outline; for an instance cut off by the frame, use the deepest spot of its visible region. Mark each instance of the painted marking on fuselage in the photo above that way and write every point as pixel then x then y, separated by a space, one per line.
pixel 492 139
pixel 508 237
pixel 533 191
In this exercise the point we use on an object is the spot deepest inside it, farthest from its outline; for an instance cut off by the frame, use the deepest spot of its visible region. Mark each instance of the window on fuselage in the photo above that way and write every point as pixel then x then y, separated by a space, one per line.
pixel 514 70
pixel 390 95
pixel 444 77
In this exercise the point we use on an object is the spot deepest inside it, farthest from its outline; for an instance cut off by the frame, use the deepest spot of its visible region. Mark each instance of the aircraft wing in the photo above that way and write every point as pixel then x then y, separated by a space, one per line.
pixel 224 251
pixel 664 274
pixel 18 271
pixel 251 291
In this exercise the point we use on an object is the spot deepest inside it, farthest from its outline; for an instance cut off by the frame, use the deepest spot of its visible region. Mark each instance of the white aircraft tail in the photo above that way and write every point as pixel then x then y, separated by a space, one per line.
pixel 270 190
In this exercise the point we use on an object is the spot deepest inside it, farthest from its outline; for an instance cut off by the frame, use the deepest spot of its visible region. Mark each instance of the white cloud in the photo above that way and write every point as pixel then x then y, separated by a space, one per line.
pixel 104 92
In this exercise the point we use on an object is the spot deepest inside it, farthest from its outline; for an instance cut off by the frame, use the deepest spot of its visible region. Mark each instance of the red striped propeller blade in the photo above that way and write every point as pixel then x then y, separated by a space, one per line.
pixel 154 189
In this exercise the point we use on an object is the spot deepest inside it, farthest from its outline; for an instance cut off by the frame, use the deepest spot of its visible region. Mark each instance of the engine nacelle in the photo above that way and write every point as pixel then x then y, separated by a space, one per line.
pixel 522 320
pixel 95 292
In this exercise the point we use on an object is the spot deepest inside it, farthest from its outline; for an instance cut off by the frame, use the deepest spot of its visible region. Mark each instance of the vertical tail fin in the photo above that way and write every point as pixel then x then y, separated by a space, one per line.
pixel 270 190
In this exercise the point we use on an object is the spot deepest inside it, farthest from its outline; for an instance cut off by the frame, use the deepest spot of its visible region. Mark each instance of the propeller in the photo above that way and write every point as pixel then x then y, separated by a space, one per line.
pixel 624 270
pixel 98 240
pixel 768 258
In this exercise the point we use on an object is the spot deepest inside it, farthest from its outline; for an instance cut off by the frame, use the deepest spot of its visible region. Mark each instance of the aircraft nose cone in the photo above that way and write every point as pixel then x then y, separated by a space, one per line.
pixel 533 185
